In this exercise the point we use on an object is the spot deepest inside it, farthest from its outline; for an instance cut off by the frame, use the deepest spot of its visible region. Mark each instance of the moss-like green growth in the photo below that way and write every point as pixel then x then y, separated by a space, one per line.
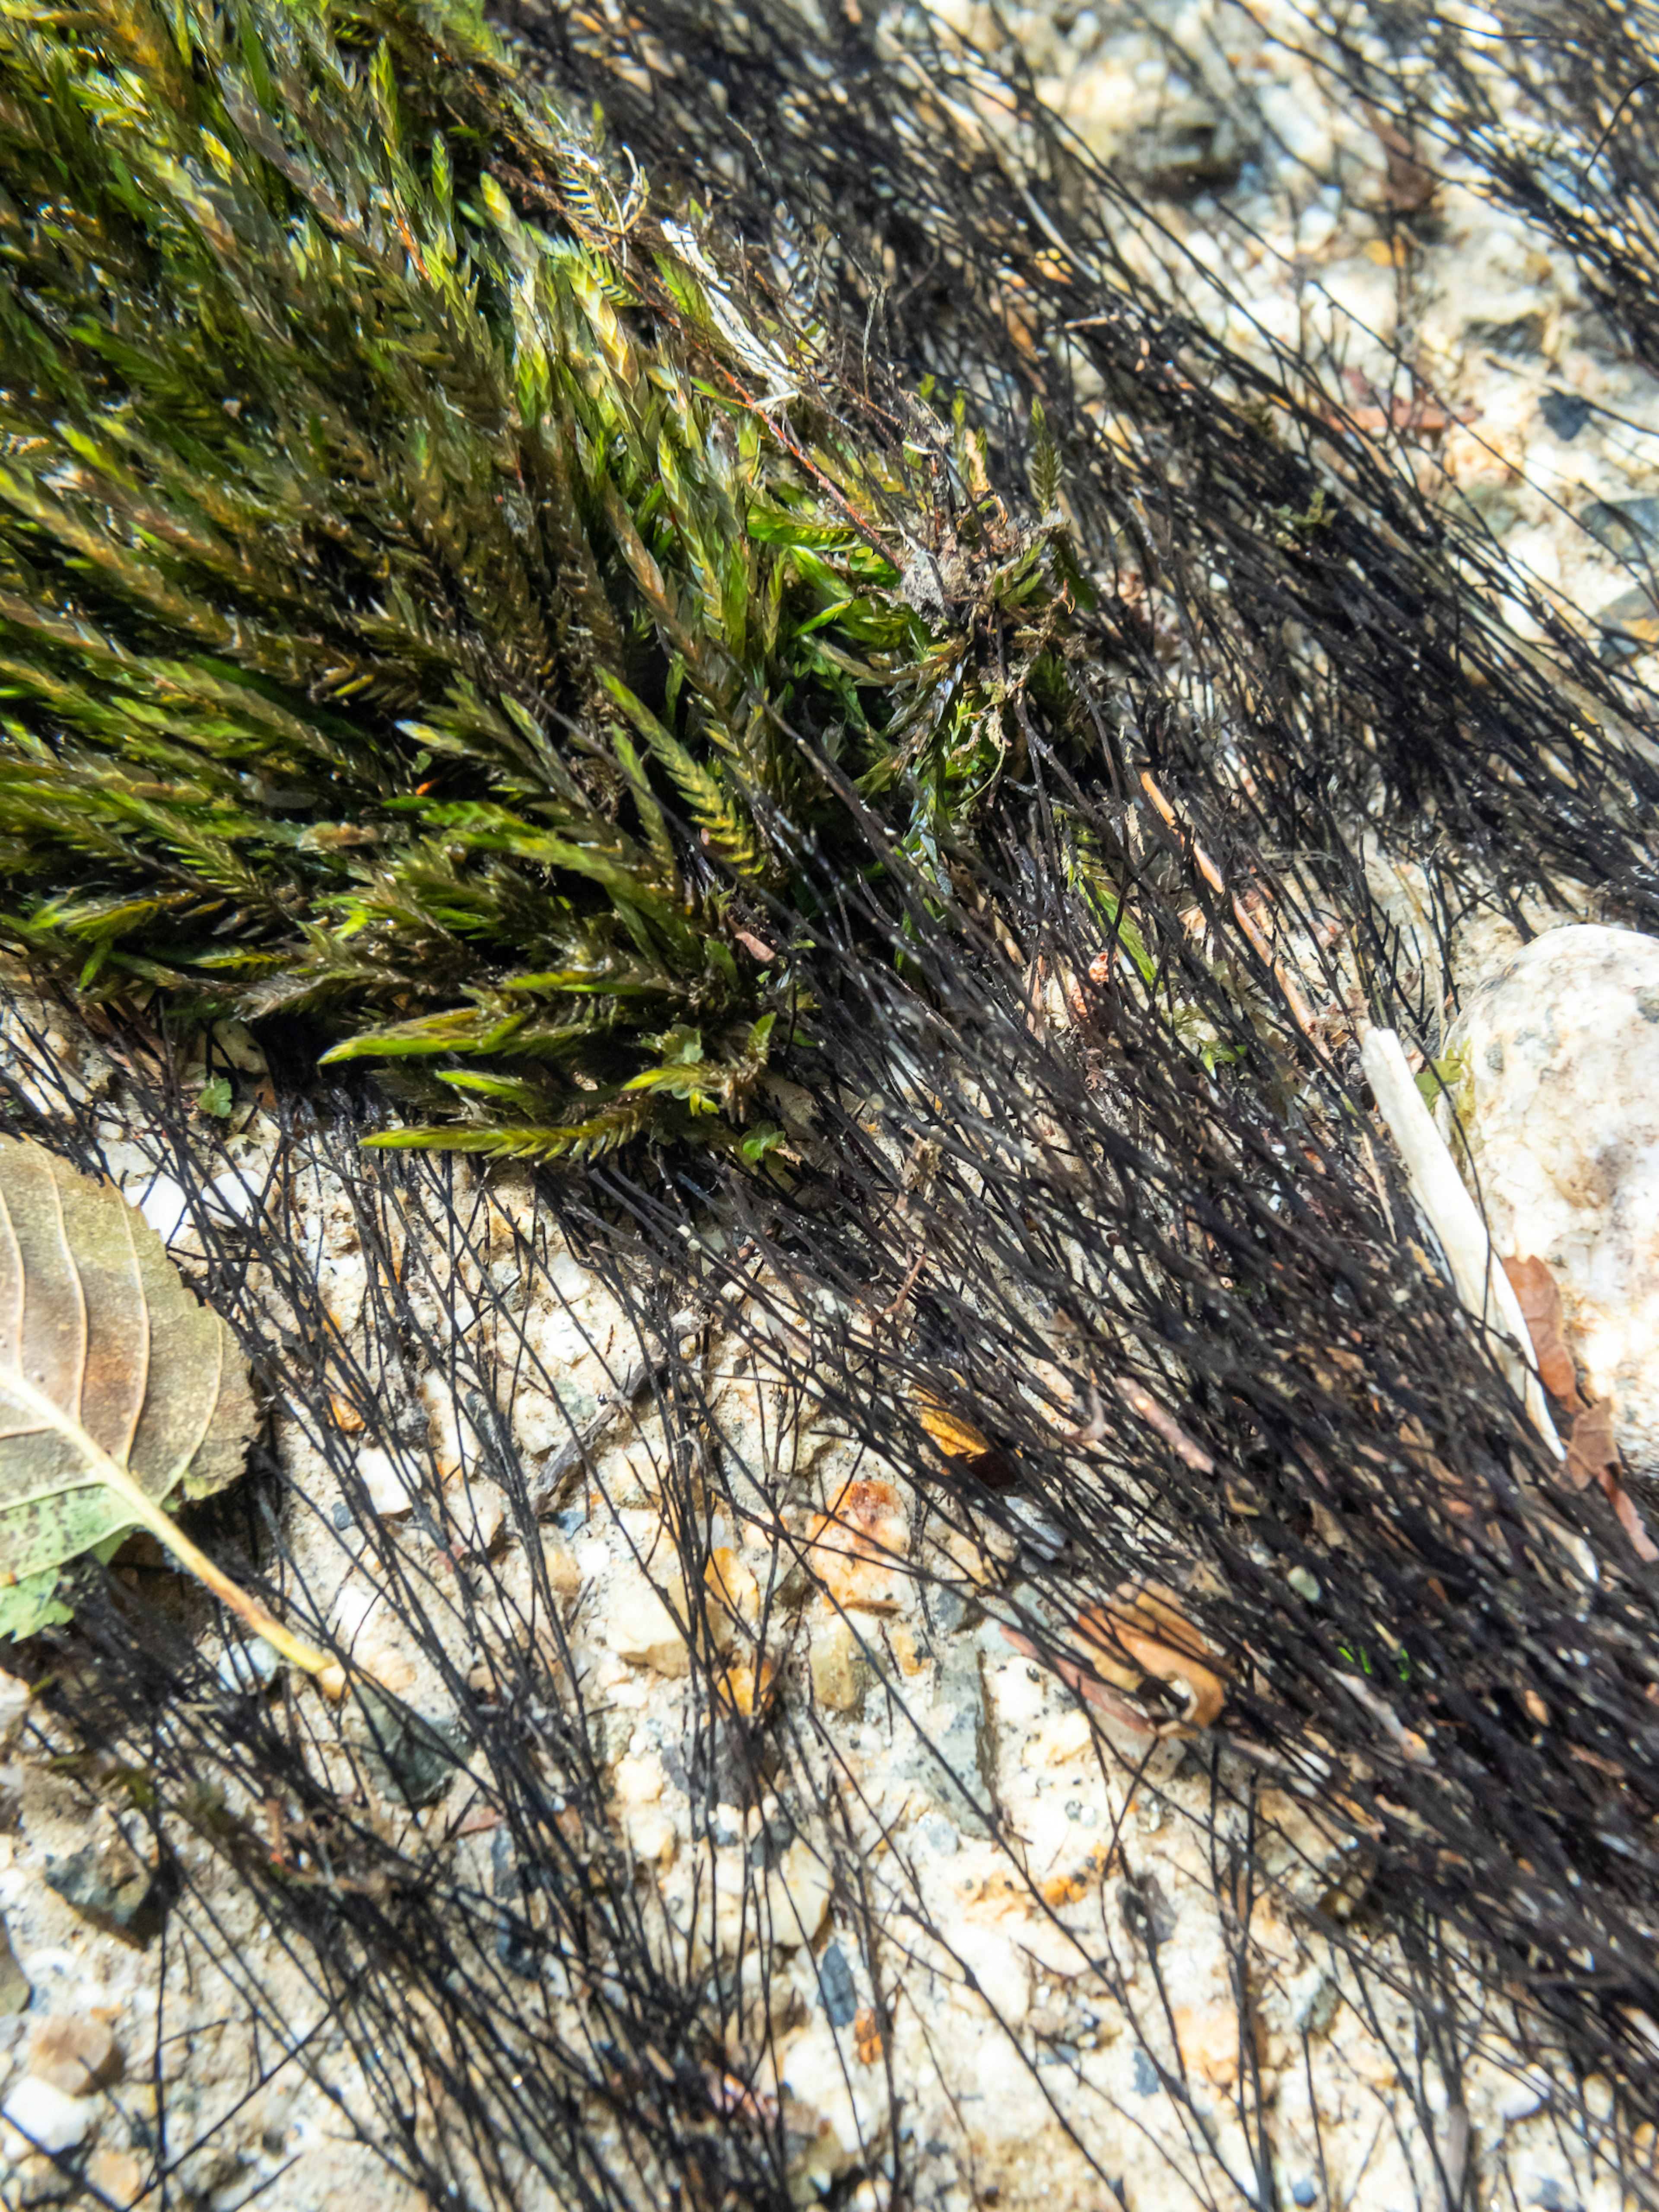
pixel 422 599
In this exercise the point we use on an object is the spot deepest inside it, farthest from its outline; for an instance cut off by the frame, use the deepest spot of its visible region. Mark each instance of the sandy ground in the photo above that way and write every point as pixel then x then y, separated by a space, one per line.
pixel 1081 2008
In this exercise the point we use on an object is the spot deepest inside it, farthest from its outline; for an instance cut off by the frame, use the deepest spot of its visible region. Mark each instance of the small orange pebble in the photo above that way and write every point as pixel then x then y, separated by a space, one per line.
pixel 1071 1888
pixel 866 2035
pixel 731 1584
pixel 1209 2041
pixel 729 2095
pixel 347 1418
pixel 854 1547
pixel 748 1687
pixel 1141 1632
pixel 1066 1889
pixel 958 1441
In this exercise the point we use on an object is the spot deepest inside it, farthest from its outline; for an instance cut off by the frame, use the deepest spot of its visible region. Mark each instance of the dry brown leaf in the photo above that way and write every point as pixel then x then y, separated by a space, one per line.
pixel 119 1391
pixel 1142 1633
pixel 1408 187
pixel 1540 1308
pixel 957 1439
pixel 1591 1450
pixel 1593 1456
pixel 955 1436
pixel 1145 1632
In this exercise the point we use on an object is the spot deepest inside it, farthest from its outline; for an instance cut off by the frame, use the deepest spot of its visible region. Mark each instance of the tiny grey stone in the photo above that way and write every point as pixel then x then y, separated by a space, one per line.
pixel 1565 413
pixel 15 1992
pixel 418 1757
pixel 1623 526
pixel 1146 2079
pixel 248 1667
pixel 108 1887
pixel 946 1608
pixel 840 1996
pixel 954 1764
pixel 1038 1529
pixel 1524 334
pixel 1303 2192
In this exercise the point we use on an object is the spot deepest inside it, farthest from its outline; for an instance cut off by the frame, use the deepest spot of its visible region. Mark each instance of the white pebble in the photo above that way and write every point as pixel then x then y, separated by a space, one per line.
pixel 164 1206
pixel 388 1493
pixel 234 1195
pixel 1524 2097
pixel 1554 1064
pixel 352 1609
pixel 14 1697
pixel 477 1510
pixel 248 1666
pixel 50 2120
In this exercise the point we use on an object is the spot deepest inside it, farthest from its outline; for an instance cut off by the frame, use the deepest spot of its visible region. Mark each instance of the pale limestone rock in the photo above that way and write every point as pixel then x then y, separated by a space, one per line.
pixel 437 1395
pixel 639 1782
pixel 475 1511
pixel 50 2120
pixel 15 1696
pixel 953 1766
pixel 388 1492
pixel 839 1671
pixel 797 1895
pixel 733 1595
pixel 640 1628
pixel 75 2053
pixel 859 1547
pixel 1554 1063
pixel 1001 1972
pixel 564 1576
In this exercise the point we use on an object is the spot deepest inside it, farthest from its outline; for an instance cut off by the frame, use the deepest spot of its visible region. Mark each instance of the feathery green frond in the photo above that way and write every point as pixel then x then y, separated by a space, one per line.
pixel 403 616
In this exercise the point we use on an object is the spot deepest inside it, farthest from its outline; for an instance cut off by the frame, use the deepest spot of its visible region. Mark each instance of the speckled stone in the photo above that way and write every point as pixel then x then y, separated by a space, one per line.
pixel 1555 1067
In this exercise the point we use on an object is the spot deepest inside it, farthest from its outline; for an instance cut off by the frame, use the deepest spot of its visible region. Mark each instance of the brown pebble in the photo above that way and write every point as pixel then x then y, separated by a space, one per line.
pixel 118 2175
pixel 75 2054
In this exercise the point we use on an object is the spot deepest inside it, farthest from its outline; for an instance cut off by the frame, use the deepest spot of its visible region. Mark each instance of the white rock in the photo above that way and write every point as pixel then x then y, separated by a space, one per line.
pixel 164 1206
pixel 388 1493
pixel 15 1695
pixel 797 1896
pixel 248 1666
pixel 640 1628
pixel 1524 2097
pixel 238 1045
pixel 1555 1070
pixel 51 2121
pixel 354 1606
pixel 234 1195
pixel 569 1277
pixel 475 1511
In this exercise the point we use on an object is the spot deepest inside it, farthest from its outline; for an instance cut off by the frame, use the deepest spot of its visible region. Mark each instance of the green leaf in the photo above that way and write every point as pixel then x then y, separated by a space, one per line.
pixel 29 1606
pixel 759 1142
pixel 216 1097
pixel 118 1392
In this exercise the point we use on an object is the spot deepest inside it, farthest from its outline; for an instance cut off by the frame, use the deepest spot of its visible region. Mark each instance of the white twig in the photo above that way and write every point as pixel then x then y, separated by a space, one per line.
pixel 1440 1191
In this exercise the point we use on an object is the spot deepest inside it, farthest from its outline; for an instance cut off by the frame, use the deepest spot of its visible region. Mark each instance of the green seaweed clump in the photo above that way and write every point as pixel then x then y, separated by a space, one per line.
pixel 425 600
